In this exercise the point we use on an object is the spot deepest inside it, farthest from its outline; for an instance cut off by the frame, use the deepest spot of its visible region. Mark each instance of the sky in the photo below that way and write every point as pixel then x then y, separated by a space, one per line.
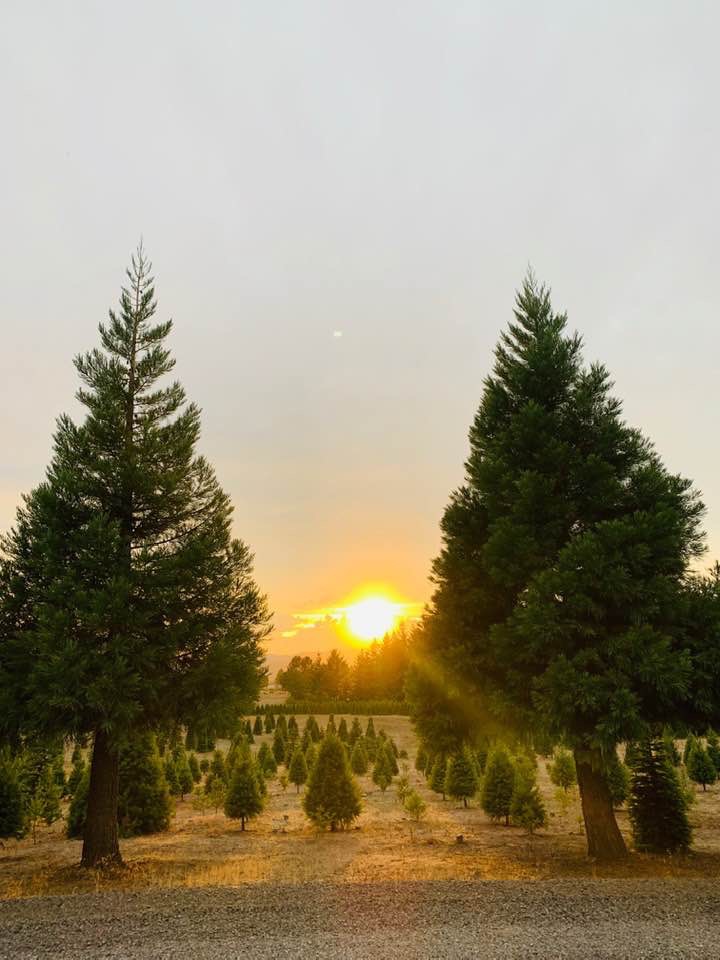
pixel 340 199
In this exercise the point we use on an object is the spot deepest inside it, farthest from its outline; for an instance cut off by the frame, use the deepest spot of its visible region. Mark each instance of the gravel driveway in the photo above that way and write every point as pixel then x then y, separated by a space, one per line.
pixel 559 918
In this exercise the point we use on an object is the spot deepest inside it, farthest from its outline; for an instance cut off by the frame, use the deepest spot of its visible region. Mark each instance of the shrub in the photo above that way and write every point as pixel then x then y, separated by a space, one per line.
pixel 414 805
pixel 657 806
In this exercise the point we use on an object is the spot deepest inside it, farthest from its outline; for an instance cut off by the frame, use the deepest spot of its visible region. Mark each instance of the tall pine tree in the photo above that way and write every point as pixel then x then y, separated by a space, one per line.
pixel 563 557
pixel 125 601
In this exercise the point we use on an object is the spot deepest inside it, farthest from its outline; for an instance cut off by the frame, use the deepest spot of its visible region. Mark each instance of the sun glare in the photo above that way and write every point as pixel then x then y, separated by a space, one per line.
pixel 372 617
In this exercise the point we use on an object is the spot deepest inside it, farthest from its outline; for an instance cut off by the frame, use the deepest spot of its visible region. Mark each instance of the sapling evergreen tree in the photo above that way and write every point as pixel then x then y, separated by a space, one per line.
pixel 204 765
pixel 12 801
pixel 293 729
pixel 498 785
pixel 279 747
pixel 617 776
pixel 258 726
pixel 218 767
pixel 713 749
pixel 438 771
pixel 124 600
pixel 562 770
pixel 343 731
pixel 671 750
pixel 282 726
pixel 391 758
pixel 298 771
pixel 700 767
pixel 359 759
pixel 144 804
pixel 77 813
pixel 78 769
pixel 171 775
pixel 332 796
pixel 266 760
pixel 370 729
pixel 564 557
pixel 656 805
pixel 183 772
pixel 194 768
pixel 244 799
pixel 355 731
pixel 421 759
pixel 461 777
pixel 690 744
pixel 47 794
pixel 311 757
pixel 526 805
pixel 382 773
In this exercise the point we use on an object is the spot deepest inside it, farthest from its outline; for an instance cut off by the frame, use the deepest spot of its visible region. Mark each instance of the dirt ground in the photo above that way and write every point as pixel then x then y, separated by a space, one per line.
pixel 280 846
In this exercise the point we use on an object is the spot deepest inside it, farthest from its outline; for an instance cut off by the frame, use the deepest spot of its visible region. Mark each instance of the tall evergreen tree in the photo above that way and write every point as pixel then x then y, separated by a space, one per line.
pixel 563 559
pixel 124 601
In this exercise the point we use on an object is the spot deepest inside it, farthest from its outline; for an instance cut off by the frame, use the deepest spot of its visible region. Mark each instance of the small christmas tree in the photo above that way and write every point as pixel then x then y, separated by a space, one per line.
pixel 498 785
pixel 311 757
pixel 218 767
pixel 266 760
pixel 671 750
pixel 414 805
pixel 562 770
pixel 343 731
pixel 460 777
pixel 269 723
pixel 278 746
pixel 244 799
pixel 171 775
pixel 298 771
pixel 204 765
pixel 391 758
pixel 258 726
pixel 194 767
pixel 370 729
pixel 688 748
pixel 382 774
pixel 332 797
pixel 282 726
pixel 421 759
pixel 700 767
pixel 184 773
pixel 359 758
pixel 331 728
pixel 526 806
pixel 78 769
pixel 617 776
pixel 656 806
pixel 293 729
pixel 144 804
pixel 78 808
pixel 47 795
pixel 355 731
pixel 12 806
pixel 438 771
pixel 713 748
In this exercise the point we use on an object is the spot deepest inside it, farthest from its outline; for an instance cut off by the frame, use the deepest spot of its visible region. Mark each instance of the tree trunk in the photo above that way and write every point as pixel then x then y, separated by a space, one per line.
pixel 604 839
pixel 100 838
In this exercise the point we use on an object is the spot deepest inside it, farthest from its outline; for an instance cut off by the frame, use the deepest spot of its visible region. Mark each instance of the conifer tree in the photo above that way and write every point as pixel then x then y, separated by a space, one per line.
pixel 617 776
pixel 258 726
pixel 47 795
pixel 656 805
pixel 414 805
pixel 311 757
pixel 690 744
pixel 144 804
pixel 498 785
pixel 282 726
pixel 421 759
pixel 370 729
pixel 671 750
pixel 12 804
pixel 244 798
pixel 332 796
pixel 266 759
pixel 564 556
pixel 121 566
pixel 78 808
pixel 382 774
pixel 194 768
pixel 700 767
pixel 314 727
pixel 343 731
pixel 279 748
pixel 562 770
pixel 438 772
pixel 204 765
pixel 298 771
pixel 391 758
pixel 330 728
pixel 713 749
pixel 460 777
pixel 355 731
pixel 293 729
pixel 305 740
pixel 78 769
pixel 218 768
pixel 359 761
pixel 183 772
pixel 171 775
pixel 526 805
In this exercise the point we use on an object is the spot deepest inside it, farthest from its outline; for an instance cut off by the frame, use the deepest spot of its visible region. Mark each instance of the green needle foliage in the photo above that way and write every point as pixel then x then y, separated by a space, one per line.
pixel 12 805
pixel 656 805
pixel 498 785
pixel 562 575
pixel 279 747
pixel 332 796
pixel 461 777
pixel 700 767
pixel 562 770
pixel 382 773
pixel 244 799
pixel 194 768
pixel 438 773
pixel 359 760
pixel 617 776
pixel 298 771
pixel 124 600
pixel 144 804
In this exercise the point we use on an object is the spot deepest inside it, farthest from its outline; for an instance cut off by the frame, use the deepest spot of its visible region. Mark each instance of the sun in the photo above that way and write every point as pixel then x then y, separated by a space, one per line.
pixel 372 617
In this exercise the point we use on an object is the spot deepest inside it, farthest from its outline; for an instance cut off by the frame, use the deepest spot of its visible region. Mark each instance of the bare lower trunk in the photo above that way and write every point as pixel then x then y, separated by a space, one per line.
pixel 604 839
pixel 100 838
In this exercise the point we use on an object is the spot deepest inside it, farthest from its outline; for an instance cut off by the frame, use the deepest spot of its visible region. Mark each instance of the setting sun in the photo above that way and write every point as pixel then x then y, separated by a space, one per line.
pixel 372 617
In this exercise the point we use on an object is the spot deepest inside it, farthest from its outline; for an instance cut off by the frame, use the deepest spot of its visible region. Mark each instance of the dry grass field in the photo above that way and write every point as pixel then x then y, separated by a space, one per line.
pixel 281 846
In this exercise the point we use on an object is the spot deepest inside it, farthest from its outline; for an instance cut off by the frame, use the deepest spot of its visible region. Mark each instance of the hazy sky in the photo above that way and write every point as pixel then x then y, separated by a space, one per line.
pixel 385 170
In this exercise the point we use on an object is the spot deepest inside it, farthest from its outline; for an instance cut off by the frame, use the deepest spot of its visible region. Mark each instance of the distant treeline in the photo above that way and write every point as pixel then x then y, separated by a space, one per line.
pixel 378 673
pixel 361 708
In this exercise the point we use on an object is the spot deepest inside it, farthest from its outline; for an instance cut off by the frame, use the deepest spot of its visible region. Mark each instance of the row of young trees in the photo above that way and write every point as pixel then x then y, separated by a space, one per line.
pixel 125 603
pixel 565 606
pixel 378 672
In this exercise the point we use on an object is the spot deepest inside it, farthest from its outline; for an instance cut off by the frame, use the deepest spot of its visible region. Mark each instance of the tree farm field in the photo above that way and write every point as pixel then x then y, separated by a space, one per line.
pixel 205 849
